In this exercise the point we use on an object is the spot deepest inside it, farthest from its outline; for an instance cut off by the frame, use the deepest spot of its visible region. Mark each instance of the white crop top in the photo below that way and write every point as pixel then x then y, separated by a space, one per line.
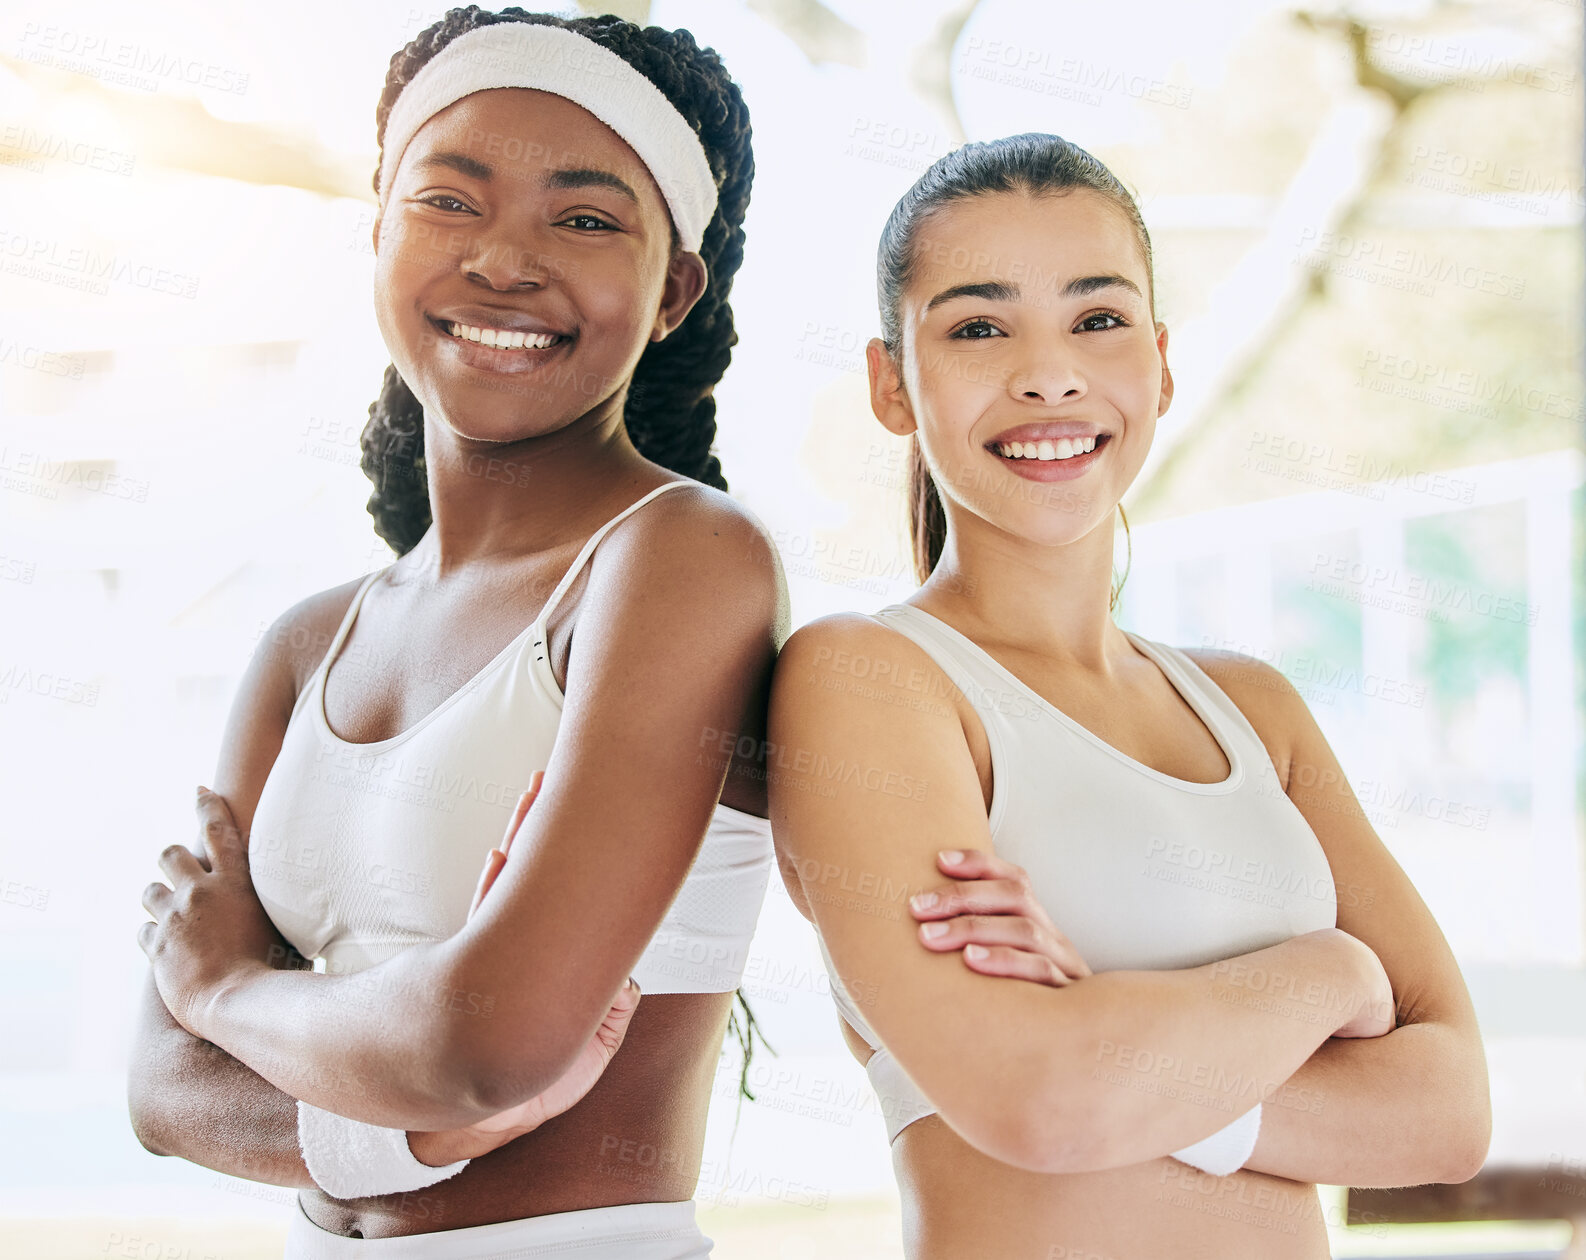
pixel 360 850
pixel 1141 871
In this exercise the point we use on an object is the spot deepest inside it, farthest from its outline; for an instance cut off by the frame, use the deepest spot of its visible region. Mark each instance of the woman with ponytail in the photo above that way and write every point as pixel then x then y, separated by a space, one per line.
pixel 453 1050
pixel 1158 977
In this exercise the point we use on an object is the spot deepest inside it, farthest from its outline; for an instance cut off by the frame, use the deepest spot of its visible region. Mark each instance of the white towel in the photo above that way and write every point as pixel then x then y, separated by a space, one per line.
pixel 349 1159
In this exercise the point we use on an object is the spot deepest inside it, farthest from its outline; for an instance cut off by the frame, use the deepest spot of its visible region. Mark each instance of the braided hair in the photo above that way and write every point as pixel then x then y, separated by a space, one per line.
pixel 670 412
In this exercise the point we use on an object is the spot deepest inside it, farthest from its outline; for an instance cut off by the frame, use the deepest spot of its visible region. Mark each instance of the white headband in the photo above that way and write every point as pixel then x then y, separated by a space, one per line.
pixel 554 59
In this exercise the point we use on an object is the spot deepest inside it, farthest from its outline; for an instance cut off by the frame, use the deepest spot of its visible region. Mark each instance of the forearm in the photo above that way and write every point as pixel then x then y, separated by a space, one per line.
pixel 204 1106
pixel 1153 1061
pixel 384 1046
pixel 189 1098
pixel 1404 1109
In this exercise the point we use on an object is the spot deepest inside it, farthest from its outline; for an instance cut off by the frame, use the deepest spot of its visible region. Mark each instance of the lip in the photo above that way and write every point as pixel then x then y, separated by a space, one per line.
pixel 1050 469
pixel 503 359
pixel 498 317
pixel 1049 430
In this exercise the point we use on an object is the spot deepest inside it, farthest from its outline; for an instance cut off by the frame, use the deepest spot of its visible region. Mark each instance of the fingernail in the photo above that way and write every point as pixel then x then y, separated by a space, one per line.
pixel 934 929
pixel 202 793
pixel 977 952
pixel 952 856
pixel 923 901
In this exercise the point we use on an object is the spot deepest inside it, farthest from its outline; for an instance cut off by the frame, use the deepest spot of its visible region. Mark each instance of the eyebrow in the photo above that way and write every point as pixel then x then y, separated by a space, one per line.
pixel 566 177
pixel 584 177
pixel 1001 291
pixel 459 162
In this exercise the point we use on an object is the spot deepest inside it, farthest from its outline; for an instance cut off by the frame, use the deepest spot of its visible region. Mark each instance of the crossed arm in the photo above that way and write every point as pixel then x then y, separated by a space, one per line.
pixel 187 1096
pixel 644 685
pixel 1014 1056
pixel 1406 1108
pixel 190 1098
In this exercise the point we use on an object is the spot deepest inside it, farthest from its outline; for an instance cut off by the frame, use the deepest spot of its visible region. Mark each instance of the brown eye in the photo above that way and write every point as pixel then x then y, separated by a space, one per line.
pixel 1118 321
pixel 963 333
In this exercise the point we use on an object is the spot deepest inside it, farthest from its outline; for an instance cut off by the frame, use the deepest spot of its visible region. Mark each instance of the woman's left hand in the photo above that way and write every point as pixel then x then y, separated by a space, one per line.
pixel 991 913
pixel 209 925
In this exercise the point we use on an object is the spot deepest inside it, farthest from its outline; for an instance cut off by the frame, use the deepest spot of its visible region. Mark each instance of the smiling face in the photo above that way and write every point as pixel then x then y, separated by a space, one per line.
pixel 516 211
pixel 1031 368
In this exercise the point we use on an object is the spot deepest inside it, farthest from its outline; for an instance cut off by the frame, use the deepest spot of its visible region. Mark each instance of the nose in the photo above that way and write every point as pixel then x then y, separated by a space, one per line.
pixel 504 262
pixel 1047 376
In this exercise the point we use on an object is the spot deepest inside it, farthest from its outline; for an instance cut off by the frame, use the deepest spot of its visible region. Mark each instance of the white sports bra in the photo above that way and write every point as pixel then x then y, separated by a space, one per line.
pixel 360 850
pixel 1141 871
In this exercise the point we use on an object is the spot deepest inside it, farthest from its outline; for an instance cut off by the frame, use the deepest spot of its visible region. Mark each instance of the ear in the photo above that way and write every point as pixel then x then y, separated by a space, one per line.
pixel 1167 376
pixel 374 236
pixel 686 278
pixel 888 399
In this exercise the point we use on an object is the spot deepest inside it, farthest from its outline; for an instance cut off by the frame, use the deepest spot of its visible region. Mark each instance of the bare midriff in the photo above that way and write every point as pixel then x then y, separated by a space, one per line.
pixel 959 1202
pixel 636 1137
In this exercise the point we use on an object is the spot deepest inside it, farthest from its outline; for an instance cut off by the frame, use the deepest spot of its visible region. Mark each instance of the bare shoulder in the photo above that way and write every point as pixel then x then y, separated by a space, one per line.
pixel 1235 671
pixel 1268 700
pixel 848 661
pixel 287 652
pixel 294 644
pixel 838 639
pixel 818 642
pixel 699 544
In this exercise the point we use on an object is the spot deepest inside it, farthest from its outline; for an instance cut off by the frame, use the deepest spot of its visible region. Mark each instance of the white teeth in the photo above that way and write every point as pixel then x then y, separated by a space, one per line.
pixel 501 337
pixel 1047 449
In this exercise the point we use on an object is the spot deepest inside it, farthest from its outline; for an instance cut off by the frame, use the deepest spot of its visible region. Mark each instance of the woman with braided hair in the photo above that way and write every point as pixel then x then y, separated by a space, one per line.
pixel 486 1037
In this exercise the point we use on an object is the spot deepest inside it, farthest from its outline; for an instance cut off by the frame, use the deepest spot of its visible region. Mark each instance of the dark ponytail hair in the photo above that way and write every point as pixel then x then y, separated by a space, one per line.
pixel 670 412
pixel 1035 162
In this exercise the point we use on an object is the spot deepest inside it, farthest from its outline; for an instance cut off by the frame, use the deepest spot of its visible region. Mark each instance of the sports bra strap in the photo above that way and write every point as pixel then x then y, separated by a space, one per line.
pixel 594 540
pixel 347 618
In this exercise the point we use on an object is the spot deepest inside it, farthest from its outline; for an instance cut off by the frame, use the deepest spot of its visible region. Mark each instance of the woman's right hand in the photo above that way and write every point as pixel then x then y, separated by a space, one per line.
pixel 1374 1010
pixel 484 1136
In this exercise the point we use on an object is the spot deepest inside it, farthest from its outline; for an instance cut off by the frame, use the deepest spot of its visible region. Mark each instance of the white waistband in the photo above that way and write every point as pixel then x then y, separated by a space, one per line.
pixel 624 1231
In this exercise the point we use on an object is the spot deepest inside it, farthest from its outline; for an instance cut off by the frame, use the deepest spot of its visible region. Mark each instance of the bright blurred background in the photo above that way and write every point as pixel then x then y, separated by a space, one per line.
pixel 1367 224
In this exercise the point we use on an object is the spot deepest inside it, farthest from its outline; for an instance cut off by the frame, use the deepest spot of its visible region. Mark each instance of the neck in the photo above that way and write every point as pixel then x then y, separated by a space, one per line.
pixel 494 502
pixel 1054 600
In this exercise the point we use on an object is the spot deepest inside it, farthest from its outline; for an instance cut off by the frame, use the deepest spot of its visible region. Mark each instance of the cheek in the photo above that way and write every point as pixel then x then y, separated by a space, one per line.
pixel 616 305
pixel 954 390
pixel 1134 382
pixel 398 276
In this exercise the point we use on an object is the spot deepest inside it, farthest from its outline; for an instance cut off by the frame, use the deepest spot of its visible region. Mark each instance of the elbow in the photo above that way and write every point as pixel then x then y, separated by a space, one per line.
pixel 487 1075
pixel 1465 1110
pixel 464 1088
pixel 1463 1173
pixel 145 1133
pixel 144 1119
pixel 1468 1147
pixel 1074 1144
pixel 148 1086
pixel 1053 1129
pixel 487 1089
